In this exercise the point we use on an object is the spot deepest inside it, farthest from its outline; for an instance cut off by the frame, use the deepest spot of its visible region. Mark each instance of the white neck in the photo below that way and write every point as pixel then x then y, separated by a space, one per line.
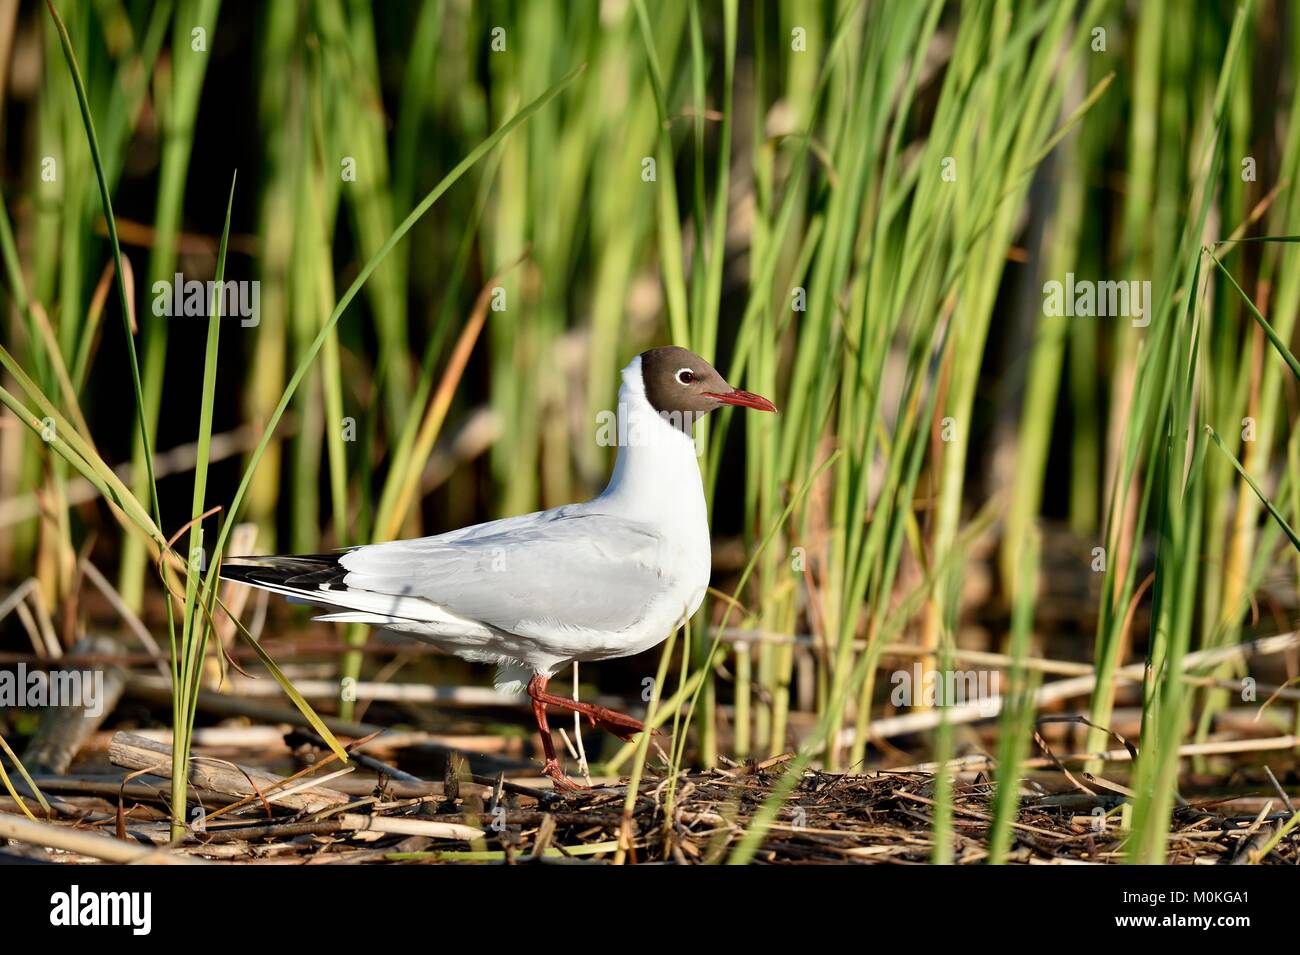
pixel 656 477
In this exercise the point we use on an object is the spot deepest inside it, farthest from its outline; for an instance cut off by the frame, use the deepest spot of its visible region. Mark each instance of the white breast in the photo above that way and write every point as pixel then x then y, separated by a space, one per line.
pixel 656 481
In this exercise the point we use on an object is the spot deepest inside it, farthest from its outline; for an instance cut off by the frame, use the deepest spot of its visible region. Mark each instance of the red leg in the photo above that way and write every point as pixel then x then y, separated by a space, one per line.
pixel 552 766
pixel 623 726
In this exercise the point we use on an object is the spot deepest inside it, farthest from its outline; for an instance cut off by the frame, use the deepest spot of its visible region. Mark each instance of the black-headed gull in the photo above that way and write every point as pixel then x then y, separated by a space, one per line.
pixel 607 578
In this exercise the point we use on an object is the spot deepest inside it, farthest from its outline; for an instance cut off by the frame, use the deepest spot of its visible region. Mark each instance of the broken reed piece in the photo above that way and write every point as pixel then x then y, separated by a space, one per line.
pixel 94 845
pixel 139 753
pixel 345 823
pixel 406 826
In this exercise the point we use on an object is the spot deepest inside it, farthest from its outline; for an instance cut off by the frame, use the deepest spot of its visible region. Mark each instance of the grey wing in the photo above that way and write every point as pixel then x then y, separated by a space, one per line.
pixel 557 568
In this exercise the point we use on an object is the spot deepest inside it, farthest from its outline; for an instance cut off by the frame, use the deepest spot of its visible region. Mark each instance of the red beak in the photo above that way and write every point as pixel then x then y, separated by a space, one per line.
pixel 743 399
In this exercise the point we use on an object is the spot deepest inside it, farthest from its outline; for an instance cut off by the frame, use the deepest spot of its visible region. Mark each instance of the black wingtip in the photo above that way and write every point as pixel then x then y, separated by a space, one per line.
pixel 236 572
pixel 296 571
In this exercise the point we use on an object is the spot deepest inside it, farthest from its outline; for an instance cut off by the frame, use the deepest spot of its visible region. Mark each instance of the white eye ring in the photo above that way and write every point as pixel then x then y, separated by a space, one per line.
pixel 685 376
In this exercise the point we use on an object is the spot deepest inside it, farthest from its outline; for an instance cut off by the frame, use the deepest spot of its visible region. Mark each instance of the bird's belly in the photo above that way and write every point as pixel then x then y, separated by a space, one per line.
pixel 669 612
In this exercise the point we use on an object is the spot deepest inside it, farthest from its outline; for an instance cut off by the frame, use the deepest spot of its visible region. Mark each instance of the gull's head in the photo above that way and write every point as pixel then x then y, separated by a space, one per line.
pixel 679 383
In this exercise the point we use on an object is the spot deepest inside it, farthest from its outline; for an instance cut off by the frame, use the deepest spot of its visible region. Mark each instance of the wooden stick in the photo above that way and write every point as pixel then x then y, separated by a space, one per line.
pixel 406 826
pixel 918 721
pixel 979 762
pixel 356 822
pixel 111 787
pixel 157 691
pixel 394 692
pixel 136 752
pixel 85 843
pixel 469 696
pixel 1001 661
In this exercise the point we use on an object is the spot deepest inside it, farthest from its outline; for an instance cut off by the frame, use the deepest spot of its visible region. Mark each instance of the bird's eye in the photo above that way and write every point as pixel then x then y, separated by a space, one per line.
pixel 685 376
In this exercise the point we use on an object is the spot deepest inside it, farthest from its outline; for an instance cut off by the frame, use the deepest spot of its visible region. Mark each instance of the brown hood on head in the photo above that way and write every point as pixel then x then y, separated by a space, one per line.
pixel 679 382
